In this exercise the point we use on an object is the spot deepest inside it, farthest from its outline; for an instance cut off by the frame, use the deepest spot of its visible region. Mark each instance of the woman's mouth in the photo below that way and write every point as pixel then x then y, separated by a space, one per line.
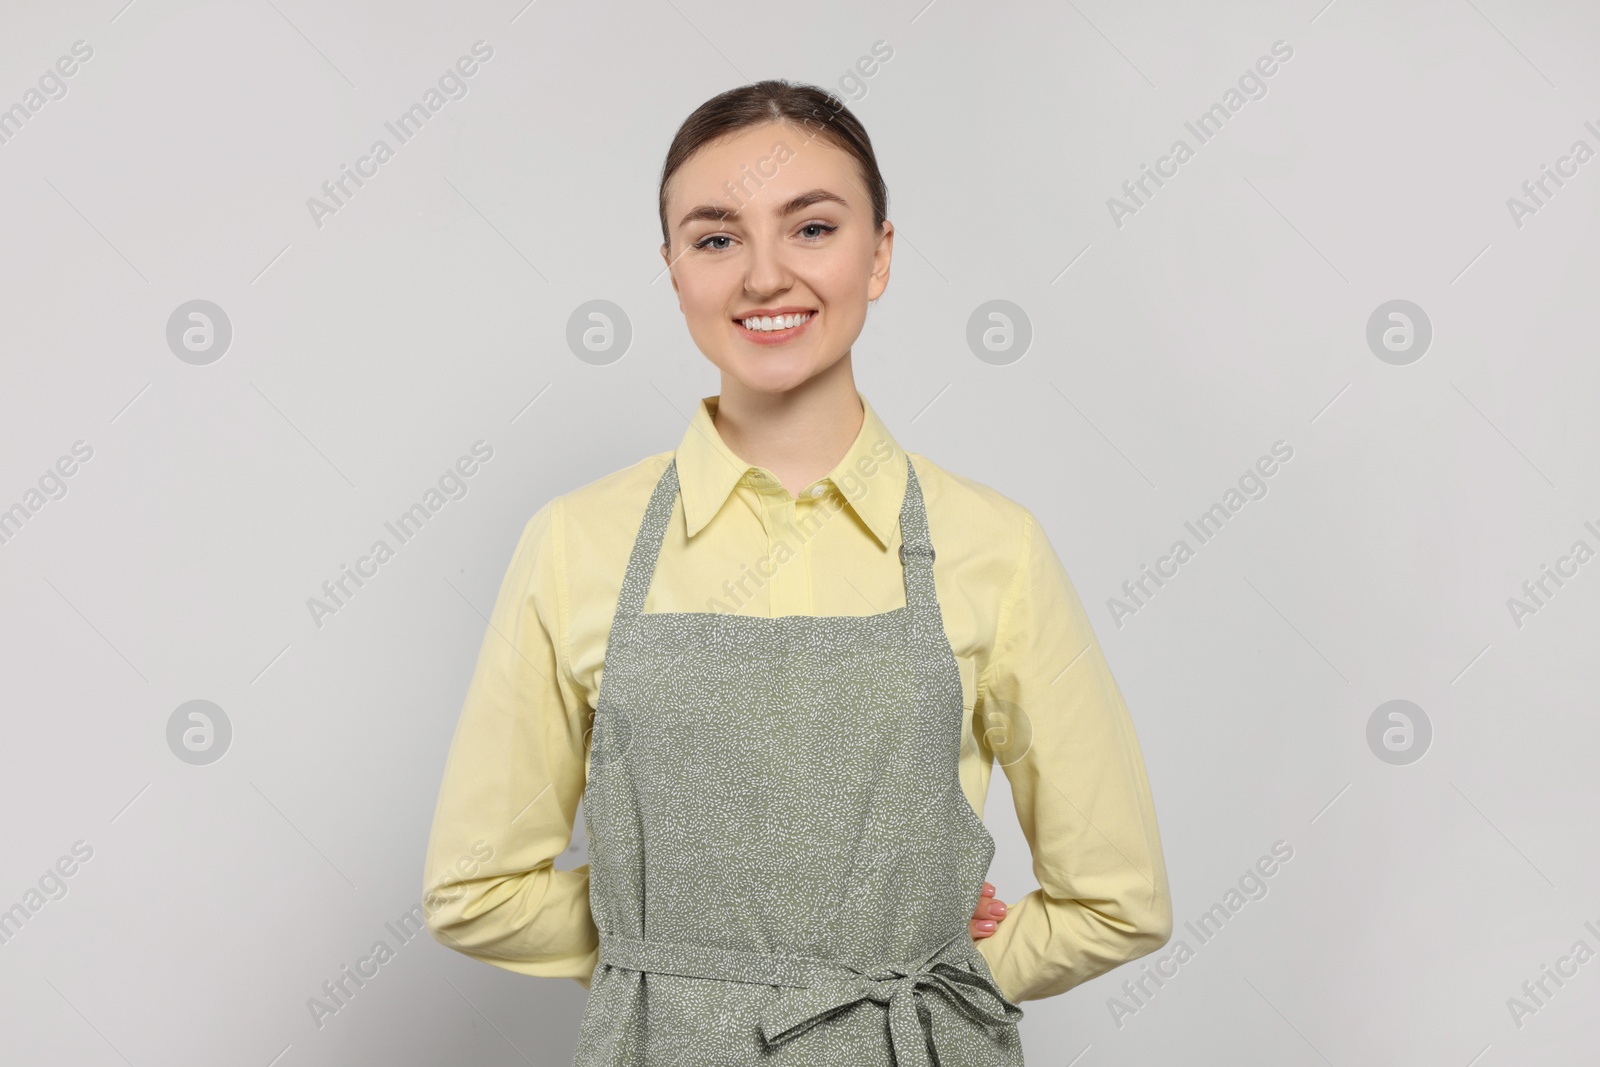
pixel 774 329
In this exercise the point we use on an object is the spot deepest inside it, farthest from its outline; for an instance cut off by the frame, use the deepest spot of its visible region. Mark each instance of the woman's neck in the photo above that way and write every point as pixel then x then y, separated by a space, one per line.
pixel 798 435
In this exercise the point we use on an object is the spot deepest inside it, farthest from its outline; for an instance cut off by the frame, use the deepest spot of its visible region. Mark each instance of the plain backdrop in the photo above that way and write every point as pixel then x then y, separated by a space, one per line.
pixel 1171 347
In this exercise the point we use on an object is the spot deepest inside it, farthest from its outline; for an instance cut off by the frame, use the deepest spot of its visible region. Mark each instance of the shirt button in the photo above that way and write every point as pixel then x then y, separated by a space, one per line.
pixel 818 489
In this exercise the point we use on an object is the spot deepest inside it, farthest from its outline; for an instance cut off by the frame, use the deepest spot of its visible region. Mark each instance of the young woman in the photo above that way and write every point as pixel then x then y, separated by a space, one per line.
pixel 799 651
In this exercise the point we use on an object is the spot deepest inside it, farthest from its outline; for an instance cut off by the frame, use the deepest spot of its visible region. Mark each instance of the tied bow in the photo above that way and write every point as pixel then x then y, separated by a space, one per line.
pixel 899 987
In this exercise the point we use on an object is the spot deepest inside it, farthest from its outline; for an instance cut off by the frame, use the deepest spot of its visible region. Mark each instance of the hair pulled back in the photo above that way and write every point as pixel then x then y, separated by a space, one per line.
pixel 819 113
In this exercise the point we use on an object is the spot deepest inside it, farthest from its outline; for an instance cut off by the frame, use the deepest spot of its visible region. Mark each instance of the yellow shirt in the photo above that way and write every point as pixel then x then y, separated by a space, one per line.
pixel 1037 694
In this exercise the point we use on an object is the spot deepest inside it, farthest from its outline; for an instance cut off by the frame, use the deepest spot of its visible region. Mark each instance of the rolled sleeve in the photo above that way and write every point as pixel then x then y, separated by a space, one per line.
pixel 512 783
pixel 1068 748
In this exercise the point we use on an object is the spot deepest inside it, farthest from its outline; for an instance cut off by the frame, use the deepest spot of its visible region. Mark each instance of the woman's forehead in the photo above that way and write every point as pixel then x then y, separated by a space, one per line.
pixel 766 166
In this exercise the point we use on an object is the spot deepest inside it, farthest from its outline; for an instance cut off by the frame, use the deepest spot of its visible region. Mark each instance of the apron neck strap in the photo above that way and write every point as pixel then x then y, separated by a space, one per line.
pixel 915 550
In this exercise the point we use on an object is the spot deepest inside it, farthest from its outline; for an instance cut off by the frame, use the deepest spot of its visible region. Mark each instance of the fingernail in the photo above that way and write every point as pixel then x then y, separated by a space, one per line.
pixel 985 924
pixel 998 908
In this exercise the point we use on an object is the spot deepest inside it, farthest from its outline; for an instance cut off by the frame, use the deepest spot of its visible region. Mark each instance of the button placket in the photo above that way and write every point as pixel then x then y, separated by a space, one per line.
pixel 790 582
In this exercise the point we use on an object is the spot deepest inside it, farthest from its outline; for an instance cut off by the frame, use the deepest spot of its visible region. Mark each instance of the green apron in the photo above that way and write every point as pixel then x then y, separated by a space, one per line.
pixel 782 863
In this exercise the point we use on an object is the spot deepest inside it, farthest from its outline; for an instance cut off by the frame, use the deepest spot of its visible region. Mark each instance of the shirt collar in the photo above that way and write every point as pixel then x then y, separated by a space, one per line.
pixel 871 476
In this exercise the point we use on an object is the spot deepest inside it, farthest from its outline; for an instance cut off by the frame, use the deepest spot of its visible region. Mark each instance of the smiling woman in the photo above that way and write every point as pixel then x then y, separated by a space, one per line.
pixel 829 226
pixel 783 801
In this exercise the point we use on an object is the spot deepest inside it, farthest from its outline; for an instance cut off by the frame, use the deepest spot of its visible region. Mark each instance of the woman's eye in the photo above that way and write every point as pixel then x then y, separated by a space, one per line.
pixel 823 226
pixel 705 241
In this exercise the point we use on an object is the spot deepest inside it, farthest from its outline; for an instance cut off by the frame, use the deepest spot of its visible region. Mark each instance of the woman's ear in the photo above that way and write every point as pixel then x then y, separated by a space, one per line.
pixel 666 255
pixel 878 281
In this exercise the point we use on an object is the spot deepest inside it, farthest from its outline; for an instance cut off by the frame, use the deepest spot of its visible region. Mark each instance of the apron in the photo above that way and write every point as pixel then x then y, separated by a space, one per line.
pixel 783 865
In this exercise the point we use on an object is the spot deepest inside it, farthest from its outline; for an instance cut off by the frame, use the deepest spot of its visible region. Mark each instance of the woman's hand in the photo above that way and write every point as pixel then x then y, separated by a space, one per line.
pixel 986 917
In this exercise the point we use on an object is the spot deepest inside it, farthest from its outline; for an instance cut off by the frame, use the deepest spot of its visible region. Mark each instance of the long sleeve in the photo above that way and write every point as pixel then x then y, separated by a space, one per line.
pixel 1060 729
pixel 512 783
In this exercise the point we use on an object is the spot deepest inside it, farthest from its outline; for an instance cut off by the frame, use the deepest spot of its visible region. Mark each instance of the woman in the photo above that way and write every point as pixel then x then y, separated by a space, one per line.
pixel 800 664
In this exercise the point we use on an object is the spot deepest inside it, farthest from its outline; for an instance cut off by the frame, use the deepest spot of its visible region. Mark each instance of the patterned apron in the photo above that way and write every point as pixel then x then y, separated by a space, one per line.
pixel 783 865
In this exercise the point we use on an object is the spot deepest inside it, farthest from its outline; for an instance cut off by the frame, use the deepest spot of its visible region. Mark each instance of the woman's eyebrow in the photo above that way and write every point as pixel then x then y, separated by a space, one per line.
pixel 713 213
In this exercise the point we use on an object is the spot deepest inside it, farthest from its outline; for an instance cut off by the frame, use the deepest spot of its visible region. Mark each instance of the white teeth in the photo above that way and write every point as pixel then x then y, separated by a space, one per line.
pixel 768 323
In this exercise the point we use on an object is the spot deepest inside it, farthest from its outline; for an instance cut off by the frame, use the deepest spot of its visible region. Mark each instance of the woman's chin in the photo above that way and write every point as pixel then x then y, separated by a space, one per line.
pixel 770 372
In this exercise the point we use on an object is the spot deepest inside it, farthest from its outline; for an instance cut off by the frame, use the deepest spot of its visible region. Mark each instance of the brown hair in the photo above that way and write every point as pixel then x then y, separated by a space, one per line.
pixel 819 113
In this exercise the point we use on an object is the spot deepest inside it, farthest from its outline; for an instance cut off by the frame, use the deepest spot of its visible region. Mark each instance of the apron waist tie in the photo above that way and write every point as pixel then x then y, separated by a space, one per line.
pixel 817 989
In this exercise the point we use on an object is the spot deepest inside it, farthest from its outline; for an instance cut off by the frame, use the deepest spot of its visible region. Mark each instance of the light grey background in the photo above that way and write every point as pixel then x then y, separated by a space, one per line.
pixel 430 312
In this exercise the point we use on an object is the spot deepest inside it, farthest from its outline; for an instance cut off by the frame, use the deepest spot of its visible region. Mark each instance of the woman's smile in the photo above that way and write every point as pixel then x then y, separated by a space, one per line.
pixel 773 327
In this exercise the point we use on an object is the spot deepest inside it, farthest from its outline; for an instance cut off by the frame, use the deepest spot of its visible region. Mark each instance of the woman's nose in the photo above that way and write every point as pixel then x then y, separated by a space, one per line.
pixel 769 269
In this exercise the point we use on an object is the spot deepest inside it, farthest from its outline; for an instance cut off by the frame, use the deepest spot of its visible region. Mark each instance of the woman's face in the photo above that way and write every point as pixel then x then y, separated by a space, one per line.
pixel 767 223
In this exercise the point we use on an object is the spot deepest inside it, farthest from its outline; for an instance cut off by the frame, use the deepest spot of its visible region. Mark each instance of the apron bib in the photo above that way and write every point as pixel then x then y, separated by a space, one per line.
pixel 782 862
